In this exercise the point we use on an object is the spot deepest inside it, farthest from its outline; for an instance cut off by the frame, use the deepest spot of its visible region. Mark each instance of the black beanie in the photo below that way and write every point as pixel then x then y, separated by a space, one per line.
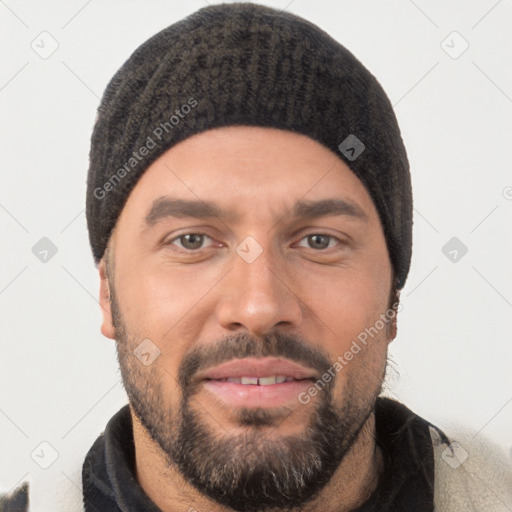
pixel 245 64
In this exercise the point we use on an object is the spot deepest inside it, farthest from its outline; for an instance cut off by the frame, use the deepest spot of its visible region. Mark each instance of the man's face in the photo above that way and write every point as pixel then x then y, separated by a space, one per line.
pixel 279 265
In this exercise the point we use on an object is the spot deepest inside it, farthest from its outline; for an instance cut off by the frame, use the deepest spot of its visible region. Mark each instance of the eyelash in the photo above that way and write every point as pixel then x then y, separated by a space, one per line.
pixel 190 251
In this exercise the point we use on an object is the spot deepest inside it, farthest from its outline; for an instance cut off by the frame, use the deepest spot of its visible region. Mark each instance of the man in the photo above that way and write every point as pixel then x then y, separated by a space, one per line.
pixel 249 207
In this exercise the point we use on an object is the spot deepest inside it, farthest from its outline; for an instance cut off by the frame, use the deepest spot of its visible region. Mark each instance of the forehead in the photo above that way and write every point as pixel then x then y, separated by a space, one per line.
pixel 250 171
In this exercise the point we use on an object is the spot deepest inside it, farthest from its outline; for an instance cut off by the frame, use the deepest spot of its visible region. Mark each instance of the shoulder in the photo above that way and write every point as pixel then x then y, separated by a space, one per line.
pixel 471 473
pixel 16 501
pixel 59 490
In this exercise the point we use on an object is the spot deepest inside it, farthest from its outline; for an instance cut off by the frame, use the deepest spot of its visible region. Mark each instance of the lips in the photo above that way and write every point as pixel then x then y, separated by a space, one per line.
pixel 257 383
pixel 258 371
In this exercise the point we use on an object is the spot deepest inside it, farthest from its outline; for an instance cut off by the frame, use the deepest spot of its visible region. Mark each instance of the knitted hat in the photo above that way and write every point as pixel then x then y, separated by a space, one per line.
pixel 245 64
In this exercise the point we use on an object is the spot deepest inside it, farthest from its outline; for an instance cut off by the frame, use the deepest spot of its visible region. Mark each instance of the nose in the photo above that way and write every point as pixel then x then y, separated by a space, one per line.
pixel 258 297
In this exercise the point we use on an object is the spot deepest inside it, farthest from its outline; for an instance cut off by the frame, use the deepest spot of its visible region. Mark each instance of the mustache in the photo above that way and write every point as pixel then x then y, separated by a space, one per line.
pixel 242 345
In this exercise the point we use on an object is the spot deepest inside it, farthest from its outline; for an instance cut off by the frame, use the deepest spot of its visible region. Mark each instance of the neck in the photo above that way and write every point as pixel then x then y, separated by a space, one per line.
pixel 351 485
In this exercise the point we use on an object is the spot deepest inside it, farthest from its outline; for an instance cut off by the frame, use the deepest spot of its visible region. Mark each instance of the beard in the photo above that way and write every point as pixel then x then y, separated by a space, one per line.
pixel 246 472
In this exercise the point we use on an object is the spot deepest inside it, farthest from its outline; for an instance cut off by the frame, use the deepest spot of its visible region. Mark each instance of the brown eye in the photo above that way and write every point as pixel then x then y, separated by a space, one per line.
pixel 190 241
pixel 318 241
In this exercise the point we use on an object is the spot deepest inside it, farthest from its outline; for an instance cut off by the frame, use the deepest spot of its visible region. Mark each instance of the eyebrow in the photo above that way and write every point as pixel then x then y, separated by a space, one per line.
pixel 164 207
pixel 170 207
pixel 327 207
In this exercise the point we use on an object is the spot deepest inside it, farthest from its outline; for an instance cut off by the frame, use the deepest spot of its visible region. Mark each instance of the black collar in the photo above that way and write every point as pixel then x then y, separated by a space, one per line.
pixel 407 482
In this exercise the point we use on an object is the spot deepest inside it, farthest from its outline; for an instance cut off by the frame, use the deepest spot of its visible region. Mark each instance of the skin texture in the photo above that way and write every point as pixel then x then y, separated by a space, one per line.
pixel 303 298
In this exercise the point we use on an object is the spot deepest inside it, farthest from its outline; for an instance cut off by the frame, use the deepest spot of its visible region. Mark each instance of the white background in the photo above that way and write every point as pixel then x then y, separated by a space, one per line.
pixel 59 380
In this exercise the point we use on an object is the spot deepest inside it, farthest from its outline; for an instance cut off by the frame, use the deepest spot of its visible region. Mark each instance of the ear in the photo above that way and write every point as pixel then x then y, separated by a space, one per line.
pixel 393 322
pixel 393 329
pixel 107 326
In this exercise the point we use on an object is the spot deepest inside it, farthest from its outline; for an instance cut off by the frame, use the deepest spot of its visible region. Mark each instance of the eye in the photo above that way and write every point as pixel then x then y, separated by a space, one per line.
pixel 190 241
pixel 319 241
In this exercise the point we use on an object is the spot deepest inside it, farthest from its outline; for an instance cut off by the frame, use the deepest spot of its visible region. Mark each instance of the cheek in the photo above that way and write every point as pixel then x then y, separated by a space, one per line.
pixel 349 304
pixel 346 300
pixel 168 306
pixel 157 299
pixel 360 342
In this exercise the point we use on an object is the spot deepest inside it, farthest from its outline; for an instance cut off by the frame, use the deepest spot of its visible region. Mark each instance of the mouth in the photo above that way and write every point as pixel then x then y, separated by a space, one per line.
pixel 257 383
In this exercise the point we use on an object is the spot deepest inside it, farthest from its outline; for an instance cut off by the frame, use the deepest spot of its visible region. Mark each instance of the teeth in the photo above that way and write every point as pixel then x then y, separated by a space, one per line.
pixel 262 381
pixel 250 380
pixel 265 381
